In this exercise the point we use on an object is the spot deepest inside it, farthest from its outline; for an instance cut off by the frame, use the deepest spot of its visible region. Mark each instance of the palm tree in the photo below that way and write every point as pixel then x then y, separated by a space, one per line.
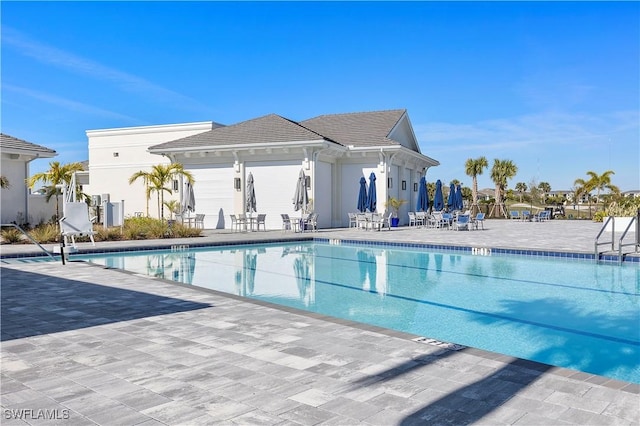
pixel 502 171
pixel 473 168
pixel 157 180
pixel 521 187
pixel 583 187
pixel 545 189
pixel 4 182
pixel 57 174
pixel 600 182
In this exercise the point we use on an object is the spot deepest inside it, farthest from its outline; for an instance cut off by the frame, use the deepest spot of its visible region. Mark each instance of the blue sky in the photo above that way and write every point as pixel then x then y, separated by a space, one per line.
pixel 552 86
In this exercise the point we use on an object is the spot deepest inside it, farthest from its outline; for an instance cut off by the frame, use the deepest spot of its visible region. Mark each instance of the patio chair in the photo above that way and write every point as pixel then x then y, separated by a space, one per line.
pixel 478 220
pixel 236 223
pixel 514 214
pixel 461 222
pixel 261 221
pixel 353 220
pixel 421 218
pixel 447 220
pixel 361 219
pixel 309 223
pixel 76 222
pixel 526 215
pixel 286 222
pixel 199 221
pixel 412 219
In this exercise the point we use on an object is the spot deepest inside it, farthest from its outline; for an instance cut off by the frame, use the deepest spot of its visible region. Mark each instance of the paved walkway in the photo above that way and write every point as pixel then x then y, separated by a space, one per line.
pixel 95 346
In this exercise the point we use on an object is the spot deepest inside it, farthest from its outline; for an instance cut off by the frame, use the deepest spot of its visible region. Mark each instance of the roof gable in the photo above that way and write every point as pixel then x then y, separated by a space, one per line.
pixel 14 145
pixel 270 128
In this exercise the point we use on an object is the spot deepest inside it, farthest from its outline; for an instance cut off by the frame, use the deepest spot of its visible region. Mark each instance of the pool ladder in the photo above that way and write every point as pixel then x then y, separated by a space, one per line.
pixel 636 244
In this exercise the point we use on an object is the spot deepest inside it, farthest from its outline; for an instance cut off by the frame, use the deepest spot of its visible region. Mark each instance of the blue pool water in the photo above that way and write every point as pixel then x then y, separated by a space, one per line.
pixel 569 313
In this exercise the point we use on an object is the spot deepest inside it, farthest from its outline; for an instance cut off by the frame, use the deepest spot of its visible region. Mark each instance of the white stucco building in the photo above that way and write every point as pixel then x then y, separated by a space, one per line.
pixel 16 154
pixel 334 151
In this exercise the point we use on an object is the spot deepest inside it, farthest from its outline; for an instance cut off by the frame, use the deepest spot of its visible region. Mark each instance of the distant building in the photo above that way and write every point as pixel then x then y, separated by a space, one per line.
pixel 16 154
pixel 334 151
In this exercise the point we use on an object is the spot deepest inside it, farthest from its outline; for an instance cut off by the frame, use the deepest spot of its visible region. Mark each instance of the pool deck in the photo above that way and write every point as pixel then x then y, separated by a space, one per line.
pixel 90 345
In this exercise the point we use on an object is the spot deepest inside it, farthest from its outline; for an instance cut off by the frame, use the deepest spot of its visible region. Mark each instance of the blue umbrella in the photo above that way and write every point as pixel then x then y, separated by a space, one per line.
pixel 459 202
pixel 451 200
pixel 362 195
pixel 438 200
pixel 372 200
pixel 423 196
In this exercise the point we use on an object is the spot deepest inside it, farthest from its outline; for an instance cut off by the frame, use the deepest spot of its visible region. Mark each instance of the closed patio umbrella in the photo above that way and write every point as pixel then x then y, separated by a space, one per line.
pixel 459 202
pixel 301 198
pixel 188 202
pixel 372 199
pixel 438 199
pixel 251 196
pixel 362 195
pixel 451 199
pixel 423 197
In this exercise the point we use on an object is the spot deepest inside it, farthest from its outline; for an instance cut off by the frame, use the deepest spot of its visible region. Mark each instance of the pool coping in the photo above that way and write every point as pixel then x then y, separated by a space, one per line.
pixel 630 387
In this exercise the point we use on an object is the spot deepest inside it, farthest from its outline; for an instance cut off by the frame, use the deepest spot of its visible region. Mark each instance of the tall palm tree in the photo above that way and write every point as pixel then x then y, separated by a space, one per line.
pixel 545 188
pixel 502 171
pixel 157 180
pixel 600 182
pixel 521 187
pixel 56 175
pixel 473 168
pixel 583 187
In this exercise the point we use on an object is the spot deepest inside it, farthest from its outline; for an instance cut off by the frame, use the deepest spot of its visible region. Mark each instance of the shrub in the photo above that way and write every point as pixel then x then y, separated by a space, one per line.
pixel 47 233
pixel 11 236
pixel 109 234
pixel 624 206
pixel 178 230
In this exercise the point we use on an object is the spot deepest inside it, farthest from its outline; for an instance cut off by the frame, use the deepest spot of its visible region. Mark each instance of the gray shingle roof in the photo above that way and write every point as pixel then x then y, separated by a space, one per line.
pixel 10 143
pixel 357 129
pixel 271 128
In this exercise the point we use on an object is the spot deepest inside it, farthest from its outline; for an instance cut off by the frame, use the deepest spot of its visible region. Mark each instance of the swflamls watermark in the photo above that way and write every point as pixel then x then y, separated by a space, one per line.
pixel 35 414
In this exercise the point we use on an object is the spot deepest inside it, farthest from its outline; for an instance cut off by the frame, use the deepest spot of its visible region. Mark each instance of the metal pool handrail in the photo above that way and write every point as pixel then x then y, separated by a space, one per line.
pixel 47 252
pixel 613 234
pixel 636 243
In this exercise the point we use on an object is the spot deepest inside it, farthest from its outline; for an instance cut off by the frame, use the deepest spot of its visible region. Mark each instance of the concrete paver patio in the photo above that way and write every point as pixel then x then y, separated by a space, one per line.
pixel 96 346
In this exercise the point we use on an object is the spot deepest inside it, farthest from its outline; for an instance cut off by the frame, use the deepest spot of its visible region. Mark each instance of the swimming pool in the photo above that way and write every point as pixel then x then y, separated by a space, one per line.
pixel 569 313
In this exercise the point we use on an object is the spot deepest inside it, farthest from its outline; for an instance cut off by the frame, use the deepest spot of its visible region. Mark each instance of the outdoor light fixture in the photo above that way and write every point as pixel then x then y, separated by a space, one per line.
pixel 415 187
pixel 404 185
pixel 389 182
pixel 307 182
pixel 116 154
pixel 237 184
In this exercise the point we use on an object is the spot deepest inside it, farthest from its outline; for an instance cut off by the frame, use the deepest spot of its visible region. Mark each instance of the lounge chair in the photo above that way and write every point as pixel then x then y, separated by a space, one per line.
pixel 76 222
pixel 514 214
pixel 526 215
pixel 461 222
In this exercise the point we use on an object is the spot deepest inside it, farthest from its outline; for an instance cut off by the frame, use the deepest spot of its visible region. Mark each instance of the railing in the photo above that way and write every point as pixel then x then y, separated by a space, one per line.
pixel 636 243
pixel 634 220
pixel 47 252
pixel 613 237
